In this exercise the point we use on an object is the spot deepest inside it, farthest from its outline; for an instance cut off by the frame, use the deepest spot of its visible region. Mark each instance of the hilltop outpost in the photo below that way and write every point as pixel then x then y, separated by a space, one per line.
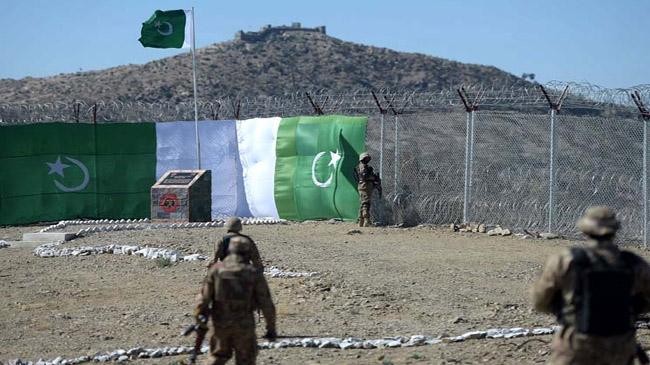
pixel 268 30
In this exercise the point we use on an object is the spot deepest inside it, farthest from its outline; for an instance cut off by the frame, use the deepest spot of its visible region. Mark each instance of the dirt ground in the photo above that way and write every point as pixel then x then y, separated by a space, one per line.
pixel 376 283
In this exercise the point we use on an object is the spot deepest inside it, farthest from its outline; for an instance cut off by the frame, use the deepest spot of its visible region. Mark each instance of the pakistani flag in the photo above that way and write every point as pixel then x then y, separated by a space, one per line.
pixel 295 168
pixel 167 29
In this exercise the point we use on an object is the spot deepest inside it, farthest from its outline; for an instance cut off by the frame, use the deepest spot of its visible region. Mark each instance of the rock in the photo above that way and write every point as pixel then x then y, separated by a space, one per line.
pixel 458 320
pixel 123 358
pixel 134 351
pixel 330 343
pixel 542 331
pixel 157 353
pixel 354 231
pixel 549 236
pixel 474 335
pixel 394 344
pixel 495 232
pixel 416 340
pixel 454 227
pixel 481 228
pixel 102 358
pixel 505 232
pixel 3 244
pixel 308 342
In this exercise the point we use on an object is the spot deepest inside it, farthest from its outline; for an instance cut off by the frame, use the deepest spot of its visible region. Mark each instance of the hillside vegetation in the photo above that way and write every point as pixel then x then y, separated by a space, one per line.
pixel 279 64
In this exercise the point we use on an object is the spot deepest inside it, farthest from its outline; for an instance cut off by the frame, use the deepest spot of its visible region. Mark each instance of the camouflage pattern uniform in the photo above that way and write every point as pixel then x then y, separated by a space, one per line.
pixel 231 292
pixel 570 346
pixel 365 186
pixel 233 227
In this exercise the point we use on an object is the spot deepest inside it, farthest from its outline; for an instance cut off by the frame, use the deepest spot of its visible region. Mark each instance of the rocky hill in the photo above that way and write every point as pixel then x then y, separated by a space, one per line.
pixel 279 63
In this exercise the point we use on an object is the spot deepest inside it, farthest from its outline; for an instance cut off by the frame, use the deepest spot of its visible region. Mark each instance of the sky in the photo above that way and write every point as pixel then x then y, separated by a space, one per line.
pixel 603 42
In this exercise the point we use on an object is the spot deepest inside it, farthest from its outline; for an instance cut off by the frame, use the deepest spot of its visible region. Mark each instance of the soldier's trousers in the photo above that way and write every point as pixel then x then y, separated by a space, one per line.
pixel 572 348
pixel 364 207
pixel 241 341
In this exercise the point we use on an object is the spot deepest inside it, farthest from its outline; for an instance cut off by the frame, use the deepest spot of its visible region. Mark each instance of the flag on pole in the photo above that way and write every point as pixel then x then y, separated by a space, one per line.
pixel 167 29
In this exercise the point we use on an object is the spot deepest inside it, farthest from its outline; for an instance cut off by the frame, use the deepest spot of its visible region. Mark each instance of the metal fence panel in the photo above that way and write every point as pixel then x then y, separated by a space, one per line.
pixel 600 163
pixel 510 170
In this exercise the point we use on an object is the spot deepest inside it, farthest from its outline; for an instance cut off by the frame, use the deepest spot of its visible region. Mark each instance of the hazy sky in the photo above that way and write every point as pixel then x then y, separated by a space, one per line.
pixel 602 42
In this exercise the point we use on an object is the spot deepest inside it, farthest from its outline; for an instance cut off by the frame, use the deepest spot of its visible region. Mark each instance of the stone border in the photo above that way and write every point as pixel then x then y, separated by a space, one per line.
pixel 53 250
pixel 135 353
pixel 152 253
pixel 113 225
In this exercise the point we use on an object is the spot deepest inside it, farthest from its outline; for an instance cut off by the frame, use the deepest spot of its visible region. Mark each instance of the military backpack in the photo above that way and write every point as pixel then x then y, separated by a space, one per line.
pixel 602 293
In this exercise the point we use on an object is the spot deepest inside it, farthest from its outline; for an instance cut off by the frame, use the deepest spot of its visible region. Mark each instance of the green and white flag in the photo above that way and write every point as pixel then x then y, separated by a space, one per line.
pixel 167 29
pixel 302 167
pixel 294 168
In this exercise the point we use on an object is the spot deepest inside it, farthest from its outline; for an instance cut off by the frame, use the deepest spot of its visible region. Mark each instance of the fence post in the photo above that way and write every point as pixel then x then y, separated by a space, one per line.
pixel 381 147
pixel 645 116
pixel 317 108
pixel 555 108
pixel 551 180
pixel 645 183
pixel 382 112
pixel 469 152
pixel 396 164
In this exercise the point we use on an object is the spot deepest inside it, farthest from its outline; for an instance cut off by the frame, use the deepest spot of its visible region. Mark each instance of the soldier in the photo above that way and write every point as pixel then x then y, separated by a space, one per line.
pixel 596 292
pixel 233 227
pixel 367 181
pixel 231 291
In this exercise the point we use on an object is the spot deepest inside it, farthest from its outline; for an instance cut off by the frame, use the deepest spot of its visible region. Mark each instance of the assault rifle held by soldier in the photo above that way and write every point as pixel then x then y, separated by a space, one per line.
pixel 201 330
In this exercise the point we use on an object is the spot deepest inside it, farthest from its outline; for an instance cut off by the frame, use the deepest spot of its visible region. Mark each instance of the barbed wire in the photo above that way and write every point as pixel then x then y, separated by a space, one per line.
pixel 583 97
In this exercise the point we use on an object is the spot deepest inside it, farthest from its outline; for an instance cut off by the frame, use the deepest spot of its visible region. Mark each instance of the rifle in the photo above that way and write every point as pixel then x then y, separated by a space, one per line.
pixel 641 355
pixel 378 185
pixel 201 330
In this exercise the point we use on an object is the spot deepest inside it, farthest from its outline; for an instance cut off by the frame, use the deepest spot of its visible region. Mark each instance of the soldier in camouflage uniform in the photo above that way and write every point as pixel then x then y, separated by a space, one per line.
pixel 367 181
pixel 234 227
pixel 231 292
pixel 596 292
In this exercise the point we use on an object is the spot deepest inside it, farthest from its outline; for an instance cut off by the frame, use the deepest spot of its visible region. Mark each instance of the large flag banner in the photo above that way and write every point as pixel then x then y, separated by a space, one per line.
pixel 167 29
pixel 294 168
pixel 52 171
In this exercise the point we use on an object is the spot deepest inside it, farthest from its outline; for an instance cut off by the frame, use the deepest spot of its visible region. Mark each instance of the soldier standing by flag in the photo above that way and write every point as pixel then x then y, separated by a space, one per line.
pixel 367 182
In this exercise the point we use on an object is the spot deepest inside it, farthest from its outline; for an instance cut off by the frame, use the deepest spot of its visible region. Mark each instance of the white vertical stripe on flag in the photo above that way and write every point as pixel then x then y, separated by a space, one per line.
pixel 176 150
pixel 256 140
pixel 187 41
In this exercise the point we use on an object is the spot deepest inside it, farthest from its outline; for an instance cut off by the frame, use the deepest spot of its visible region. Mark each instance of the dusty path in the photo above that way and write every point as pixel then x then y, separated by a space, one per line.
pixel 380 282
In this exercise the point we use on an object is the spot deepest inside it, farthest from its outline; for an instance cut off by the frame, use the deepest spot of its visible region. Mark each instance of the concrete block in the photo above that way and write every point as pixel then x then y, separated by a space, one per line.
pixel 49 236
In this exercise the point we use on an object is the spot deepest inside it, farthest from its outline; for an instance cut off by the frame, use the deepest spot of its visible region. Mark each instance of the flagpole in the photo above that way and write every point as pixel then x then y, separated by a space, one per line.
pixel 196 108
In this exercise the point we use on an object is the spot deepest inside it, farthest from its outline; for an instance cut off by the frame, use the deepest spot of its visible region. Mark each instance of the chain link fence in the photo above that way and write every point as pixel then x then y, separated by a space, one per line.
pixel 514 157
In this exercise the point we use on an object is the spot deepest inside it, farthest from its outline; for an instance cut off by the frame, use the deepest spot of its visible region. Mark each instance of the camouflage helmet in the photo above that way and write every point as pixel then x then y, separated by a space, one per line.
pixel 233 224
pixel 364 155
pixel 239 246
pixel 598 222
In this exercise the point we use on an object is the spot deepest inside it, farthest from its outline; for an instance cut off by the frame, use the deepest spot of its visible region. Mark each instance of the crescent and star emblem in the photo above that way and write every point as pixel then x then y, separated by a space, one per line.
pixel 334 159
pixel 57 167
pixel 164 28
